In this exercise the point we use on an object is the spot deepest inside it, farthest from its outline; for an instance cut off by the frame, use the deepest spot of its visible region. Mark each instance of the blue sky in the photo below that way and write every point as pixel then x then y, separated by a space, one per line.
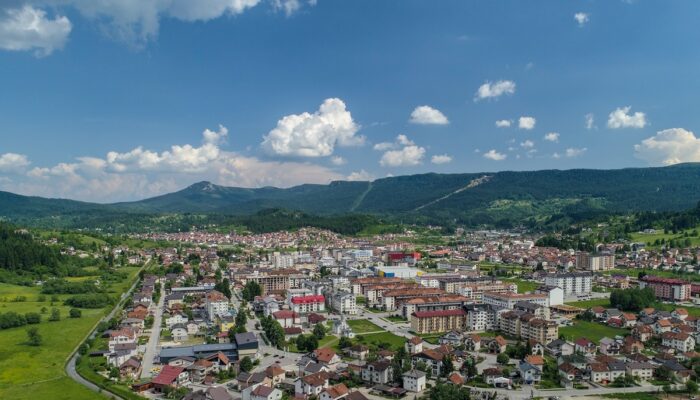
pixel 108 101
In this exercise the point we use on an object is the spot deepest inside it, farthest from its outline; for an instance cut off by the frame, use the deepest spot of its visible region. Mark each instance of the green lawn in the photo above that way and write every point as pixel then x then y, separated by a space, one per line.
pixel 395 342
pixel 363 326
pixel 590 330
pixel 694 311
pixel 585 304
pixel 327 341
pixel 395 318
pixel 524 286
pixel 665 274
pixel 41 369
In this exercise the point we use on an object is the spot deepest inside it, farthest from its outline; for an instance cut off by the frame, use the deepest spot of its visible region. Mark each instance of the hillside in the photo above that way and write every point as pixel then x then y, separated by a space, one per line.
pixel 499 198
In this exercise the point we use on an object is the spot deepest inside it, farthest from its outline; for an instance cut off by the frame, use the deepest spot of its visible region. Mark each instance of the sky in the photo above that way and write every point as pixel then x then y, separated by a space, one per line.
pixel 113 100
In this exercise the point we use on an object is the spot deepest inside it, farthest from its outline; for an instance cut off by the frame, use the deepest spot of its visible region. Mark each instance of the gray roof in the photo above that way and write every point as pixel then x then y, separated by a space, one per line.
pixel 414 374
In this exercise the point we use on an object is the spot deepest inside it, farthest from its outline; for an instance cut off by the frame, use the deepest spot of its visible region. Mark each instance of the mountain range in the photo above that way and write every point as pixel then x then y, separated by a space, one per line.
pixel 470 198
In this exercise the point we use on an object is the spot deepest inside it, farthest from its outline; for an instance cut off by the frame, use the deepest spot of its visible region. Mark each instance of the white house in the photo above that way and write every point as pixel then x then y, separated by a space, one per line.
pixel 414 381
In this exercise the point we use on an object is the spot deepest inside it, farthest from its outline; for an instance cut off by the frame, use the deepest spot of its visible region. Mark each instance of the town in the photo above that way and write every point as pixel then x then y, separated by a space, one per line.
pixel 311 314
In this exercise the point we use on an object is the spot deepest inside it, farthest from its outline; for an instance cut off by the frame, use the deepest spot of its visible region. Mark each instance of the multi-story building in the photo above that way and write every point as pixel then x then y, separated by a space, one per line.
pixel 508 300
pixel 307 304
pixel 343 303
pixel 482 317
pixel 527 326
pixel 595 261
pixel 216 305
pixel 394 299
pixel 475 290
pixel 680 341
pixel 667 288
pixel 431 303
pixel 438 321
pixel 572 283
pixel 281 260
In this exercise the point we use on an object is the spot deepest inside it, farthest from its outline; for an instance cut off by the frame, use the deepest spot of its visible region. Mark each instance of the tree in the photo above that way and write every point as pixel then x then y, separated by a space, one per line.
pixel 307 343
pixel 691 387
pixel 55 314
pixel 319 331
pixel 443 391
pixel 502 359
pixel 114 372
pixel 250 290
pixel 241 321
pixel 33 336
pixel 344 342
pixel 246 364
pixel 447 365
pixel 32 318
pixel 75 313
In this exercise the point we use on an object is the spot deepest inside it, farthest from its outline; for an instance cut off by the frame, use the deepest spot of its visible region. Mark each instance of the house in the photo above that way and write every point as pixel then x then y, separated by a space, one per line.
pixel 414 381
pixel 529 373
pixel 275 374
pixel 536 361
pixel 609 346
pixel 170 376
pixel 414 345
pixel 130 369
pixel 179 332
pixel 326 356
pixel 192 328
pixel 358 351
pixel 559 347
pixel 631 345
pixel 456 378
pixel 536 347
pixel 431 358
pixel 121 353
pixel 121 336
pixel 287 318
pixel 335 392
pixel 599 372
pixel 262 392
pixel 642 333
pixel 175 319
pixel 643 370
pixel 311 385
pixel 491 374
pixel 584 346
pixel 248 381
pixel 497 345
pixel 379 372
pixel 472 342
pixel 629 320
pixel 662 326
pixel 569 372
pixel 453 338
pixel 682 342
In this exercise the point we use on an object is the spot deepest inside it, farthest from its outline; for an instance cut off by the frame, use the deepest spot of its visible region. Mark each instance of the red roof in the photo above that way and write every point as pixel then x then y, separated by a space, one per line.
pixel 439 313
pixel 168 375
pixel 308 299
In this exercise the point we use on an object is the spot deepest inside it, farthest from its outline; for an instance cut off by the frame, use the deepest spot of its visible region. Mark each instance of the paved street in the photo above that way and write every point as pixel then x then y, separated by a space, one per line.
pixel 152 346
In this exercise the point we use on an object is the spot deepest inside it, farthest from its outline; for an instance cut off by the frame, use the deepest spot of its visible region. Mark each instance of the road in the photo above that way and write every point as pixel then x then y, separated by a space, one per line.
pixel 70 366
pixel 154 339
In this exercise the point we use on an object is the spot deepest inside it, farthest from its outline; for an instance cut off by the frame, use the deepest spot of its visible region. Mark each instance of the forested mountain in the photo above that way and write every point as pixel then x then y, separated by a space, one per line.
pixel 21 255
pixel 501 198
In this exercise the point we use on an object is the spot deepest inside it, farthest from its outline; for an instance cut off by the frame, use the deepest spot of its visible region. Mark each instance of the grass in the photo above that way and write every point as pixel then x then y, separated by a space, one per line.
pixel 694 311
pixel 42 368
pixel 590 330
pixel 395 318
pixel 523 286
pixel 585 304
pixel 360 326
pixel 394 341
pixel 631 396
pixel 634 272
pixel 327 341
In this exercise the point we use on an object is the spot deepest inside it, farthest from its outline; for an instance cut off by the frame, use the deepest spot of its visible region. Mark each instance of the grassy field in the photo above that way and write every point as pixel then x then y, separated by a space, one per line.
pixel 395 318
pixel 524 286
pixel 363 326
pixel 27 371
pixel 590 303
pixel 394 341
pixel 665 274
pixel 649 239
pixel 590 330
pixel 694 311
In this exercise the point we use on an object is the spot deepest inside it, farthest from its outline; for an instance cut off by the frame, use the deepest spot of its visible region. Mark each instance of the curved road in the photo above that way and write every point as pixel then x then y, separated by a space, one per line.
pixel 70 366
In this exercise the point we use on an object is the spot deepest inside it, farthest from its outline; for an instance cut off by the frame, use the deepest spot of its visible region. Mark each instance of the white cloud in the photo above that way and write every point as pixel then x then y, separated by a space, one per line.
pixel 503 123
pixel 360 175
pixel 441 159
pixel 10 162
pixel 494 90
pixel 426 115
pixel 142 173
pixel 407 156
pixel 338 160
pixel 384 146
pixel 527 123
pixel 528 144
pixel 29 29
pixel 574 152
pixel 313 135
pixel 621 118
pixel 552 137
pixel 590 121
pixel 581 18
pixel 670 146
pixel 494 155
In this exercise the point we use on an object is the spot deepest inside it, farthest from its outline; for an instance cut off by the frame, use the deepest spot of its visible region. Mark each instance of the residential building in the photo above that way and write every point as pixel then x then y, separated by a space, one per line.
pixel 343 303
pixel 377 372
pixel 572 283
pixel 667 288
pixel 414 381
pixel 438 321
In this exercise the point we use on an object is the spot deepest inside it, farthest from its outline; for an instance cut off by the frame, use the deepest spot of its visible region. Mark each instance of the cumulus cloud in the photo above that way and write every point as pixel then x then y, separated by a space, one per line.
pixel 408 154
pixel 383 146
pixel 441 159
pixel 526 123
pixel 494 155
pixel 503 123
pixel 670 146
pixel 313 135
pixel 581 18
pixel 426 115
pixel 338 160
pixel 528 144
pixel 494 90
pixel 360 175
pixel 135 22
pixel 30 29
pixel 552 137
pixel 590 121
pixel 574 152
pixel 622 118
pixel 11 162
pixel 142 173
